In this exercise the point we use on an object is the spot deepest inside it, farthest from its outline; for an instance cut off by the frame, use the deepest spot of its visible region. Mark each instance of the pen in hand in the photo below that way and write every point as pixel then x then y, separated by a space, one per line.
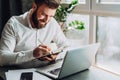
pixel 53 52
pixel 40 41
pixel 47 54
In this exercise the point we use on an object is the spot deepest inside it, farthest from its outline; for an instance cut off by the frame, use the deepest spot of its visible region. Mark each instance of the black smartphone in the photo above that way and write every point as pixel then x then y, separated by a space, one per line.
pixel 26 76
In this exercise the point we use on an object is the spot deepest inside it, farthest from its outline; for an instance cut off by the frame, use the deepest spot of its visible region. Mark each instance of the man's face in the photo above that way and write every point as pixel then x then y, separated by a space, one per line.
pixel 42 15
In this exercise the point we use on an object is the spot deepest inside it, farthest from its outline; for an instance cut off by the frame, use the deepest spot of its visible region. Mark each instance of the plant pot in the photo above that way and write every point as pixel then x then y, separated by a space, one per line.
pixel 75 34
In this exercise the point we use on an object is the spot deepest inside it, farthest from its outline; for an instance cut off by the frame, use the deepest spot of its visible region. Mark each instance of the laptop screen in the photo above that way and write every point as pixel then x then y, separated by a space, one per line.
pixel 78 59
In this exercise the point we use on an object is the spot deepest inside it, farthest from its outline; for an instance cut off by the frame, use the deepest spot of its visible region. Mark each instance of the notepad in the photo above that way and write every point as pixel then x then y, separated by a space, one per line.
pixel 15 74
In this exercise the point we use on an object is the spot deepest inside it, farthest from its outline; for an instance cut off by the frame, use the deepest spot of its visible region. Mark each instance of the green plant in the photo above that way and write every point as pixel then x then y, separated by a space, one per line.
pixel 62 11
pixel 76 24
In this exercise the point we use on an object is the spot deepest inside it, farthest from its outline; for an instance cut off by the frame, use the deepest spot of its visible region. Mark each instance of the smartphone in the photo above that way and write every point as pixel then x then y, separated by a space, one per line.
pixel 26 76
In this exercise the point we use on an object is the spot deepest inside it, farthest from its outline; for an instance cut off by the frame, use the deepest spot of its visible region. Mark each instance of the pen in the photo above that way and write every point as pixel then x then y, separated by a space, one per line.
pixel 43 44
pixel 59 50
pixel 40 41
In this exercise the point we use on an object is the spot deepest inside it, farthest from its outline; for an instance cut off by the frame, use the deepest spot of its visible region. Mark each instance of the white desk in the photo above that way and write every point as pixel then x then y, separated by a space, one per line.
pixel 92 74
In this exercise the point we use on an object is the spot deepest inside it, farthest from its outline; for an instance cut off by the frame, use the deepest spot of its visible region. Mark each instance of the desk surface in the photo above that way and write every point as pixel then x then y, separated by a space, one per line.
pixel 92 74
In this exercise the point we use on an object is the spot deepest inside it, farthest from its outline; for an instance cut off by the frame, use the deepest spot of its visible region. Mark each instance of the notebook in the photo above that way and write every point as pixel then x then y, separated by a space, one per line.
pixel 75 60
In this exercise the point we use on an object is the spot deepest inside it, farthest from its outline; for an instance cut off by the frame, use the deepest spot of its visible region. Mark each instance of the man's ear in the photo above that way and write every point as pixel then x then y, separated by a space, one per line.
pixel 34 6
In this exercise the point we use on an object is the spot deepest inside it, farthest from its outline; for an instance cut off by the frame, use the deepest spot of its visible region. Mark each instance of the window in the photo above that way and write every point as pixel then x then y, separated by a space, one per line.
pixel 107 21
pixel 109 1
pixel 103 23
pixel 108 6
pixel 107 33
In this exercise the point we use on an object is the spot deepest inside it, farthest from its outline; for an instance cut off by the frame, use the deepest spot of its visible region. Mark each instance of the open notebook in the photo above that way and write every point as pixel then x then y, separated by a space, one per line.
pixel 75 60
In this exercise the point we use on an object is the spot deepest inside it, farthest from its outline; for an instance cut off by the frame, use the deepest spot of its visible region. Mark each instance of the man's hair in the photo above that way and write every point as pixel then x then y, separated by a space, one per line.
pixel 53 4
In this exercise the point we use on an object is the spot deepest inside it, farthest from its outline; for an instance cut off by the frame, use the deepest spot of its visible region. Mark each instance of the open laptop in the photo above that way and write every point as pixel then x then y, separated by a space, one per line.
pixel 75 60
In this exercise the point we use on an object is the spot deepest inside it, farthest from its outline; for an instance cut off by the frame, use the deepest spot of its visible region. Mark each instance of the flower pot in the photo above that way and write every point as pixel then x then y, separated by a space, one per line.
pixel 75 34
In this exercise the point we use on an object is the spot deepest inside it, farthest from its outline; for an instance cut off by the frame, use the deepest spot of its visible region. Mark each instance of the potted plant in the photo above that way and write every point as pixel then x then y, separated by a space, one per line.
pixel 76 24
pixel 75 29
pixel 63 11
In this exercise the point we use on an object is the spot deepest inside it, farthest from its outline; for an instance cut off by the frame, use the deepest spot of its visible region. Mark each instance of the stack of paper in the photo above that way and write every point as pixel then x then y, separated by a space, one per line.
pixel 16 74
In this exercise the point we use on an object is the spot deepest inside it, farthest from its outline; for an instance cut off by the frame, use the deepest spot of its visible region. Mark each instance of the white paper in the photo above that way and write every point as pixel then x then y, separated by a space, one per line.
pixel 16 74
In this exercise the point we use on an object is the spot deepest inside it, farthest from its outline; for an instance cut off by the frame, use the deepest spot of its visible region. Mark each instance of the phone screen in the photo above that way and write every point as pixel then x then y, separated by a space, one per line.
pixel 26 76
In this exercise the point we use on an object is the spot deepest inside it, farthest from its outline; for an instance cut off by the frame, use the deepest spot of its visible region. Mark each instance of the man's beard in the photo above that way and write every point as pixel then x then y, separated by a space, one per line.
pixel 36 22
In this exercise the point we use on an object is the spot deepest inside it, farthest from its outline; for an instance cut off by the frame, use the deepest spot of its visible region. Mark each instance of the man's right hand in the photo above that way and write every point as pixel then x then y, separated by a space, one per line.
pixel 41 50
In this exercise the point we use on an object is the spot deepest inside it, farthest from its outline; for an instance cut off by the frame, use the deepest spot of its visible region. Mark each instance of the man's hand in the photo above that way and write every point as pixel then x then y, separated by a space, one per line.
pixel 43 50
pixel 49 57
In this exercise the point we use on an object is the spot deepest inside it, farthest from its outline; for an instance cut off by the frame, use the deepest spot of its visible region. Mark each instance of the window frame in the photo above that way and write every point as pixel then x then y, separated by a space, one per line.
pixel 94 10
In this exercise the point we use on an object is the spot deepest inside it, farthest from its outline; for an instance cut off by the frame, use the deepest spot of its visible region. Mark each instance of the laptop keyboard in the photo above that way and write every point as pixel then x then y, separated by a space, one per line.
pixel 55 71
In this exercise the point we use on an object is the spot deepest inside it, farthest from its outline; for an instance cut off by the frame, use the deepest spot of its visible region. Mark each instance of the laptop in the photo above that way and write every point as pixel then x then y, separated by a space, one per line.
pixel 75 60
